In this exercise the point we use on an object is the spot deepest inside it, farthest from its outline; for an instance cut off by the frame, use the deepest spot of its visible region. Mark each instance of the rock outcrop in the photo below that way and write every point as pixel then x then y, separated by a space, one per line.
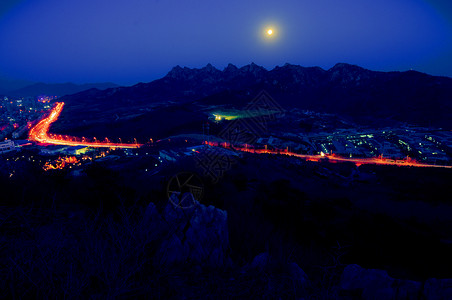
pixel 377 284
pixel 197 235
pixel 193 235
pixel 438 289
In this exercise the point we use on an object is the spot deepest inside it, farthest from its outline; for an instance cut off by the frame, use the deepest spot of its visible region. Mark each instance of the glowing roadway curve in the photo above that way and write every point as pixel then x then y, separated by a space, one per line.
pixel 334 158
pixel 360 161
pixel 40 133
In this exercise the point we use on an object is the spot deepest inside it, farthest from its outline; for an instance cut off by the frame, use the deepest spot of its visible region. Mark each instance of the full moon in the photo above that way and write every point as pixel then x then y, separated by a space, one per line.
pixel 268 32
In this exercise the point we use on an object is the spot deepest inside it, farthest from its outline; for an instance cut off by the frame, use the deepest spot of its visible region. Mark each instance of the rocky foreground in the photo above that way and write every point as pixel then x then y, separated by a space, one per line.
pixel 174 249
pixel 193 234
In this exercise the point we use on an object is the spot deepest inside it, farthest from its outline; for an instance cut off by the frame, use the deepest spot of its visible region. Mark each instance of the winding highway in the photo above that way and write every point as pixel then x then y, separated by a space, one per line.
pixel 40 133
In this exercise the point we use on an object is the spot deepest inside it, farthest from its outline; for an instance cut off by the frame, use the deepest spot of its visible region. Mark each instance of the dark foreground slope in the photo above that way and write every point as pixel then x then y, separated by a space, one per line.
pixel 272 227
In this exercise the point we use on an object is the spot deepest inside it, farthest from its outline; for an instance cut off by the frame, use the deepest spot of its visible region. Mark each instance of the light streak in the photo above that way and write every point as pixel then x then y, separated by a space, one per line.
pixel 332 158
pixel 40 133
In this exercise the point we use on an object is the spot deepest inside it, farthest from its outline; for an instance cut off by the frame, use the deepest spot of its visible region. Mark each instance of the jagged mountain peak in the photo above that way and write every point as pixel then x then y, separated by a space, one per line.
pixel 209 68
pixel 178 72
pixel 230 68
pixel 184 73
pixel 298 68
pixel 350 74
pixel 252 67
pixel 175 71
pixel 348 68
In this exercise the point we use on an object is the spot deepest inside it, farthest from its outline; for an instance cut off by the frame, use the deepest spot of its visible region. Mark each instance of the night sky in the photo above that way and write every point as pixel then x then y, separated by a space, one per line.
pixel 127 41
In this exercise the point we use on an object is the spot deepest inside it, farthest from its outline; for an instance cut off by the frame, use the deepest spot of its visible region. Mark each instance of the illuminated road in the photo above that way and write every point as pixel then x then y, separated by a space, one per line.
pixel 333 158
pixel 40 133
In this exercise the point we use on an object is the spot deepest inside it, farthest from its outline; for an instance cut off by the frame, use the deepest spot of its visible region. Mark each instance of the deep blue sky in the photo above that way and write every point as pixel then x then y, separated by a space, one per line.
pixel 126 41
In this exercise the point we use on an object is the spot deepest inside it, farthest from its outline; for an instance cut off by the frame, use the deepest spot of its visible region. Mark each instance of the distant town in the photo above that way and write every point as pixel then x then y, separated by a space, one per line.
pixel 18 115
pixel 326 136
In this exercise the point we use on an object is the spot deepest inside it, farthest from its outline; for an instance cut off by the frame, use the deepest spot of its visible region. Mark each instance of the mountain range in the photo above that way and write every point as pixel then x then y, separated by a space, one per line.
pixel 344 89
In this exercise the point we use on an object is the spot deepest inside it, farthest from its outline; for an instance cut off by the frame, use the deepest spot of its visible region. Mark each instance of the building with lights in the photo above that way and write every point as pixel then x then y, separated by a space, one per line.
pixel 7 146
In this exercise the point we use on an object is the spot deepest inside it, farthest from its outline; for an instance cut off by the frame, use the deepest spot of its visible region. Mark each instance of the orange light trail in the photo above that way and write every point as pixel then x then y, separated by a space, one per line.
pixel 40 133
pixel 333 158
